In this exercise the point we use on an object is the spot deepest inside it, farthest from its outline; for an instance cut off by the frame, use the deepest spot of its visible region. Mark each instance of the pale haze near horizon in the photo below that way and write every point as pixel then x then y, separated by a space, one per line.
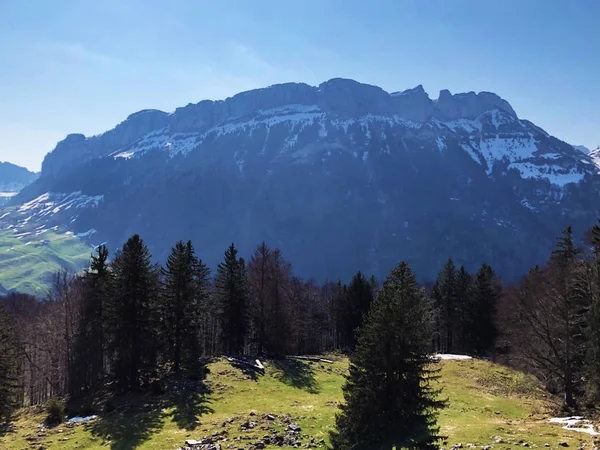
pixel 83 67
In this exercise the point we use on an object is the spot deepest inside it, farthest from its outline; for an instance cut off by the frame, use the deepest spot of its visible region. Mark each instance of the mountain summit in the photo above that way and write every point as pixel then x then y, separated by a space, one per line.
pixel 341 176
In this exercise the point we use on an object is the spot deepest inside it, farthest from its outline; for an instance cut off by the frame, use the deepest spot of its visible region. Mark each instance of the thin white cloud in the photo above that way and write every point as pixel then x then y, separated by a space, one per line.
pixel 74 53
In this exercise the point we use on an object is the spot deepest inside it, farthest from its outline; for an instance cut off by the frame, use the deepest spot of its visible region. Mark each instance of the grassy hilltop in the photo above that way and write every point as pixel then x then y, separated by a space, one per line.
pixel 488 405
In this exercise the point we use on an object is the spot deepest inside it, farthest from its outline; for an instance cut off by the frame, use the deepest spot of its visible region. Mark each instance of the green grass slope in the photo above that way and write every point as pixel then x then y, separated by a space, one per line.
pixel 27 261
pixel 488 405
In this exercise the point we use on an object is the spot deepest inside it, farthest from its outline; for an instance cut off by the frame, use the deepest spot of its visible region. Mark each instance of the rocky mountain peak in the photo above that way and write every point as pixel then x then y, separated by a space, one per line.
pixel 468 105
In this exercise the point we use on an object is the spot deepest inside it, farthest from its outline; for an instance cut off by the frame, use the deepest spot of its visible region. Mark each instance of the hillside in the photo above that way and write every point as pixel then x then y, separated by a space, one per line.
pixel 489 405
pixel 35 244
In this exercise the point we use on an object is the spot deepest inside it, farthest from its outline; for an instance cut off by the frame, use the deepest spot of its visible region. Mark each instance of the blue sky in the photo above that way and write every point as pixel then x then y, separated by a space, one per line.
pixel 84 66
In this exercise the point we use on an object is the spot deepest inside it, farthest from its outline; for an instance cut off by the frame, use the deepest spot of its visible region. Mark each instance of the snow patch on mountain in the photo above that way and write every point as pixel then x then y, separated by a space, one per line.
pixel 161 139
pixel 54 202
pixel 595 155
pixel 511 149
pixel 556 175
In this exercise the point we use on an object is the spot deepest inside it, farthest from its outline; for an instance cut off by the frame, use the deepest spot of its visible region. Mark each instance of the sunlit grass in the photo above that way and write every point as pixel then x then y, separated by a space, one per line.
pixel 485 400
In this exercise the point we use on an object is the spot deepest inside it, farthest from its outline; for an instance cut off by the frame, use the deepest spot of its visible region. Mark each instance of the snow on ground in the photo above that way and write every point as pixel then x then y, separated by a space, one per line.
pixel 576 423
pixel 88 233
pixel 78 419
pixel 451 357
pixel 8 194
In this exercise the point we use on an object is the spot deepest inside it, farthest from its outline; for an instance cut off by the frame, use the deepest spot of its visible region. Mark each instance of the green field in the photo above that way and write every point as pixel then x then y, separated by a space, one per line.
pixel 27 262
pixel 488 405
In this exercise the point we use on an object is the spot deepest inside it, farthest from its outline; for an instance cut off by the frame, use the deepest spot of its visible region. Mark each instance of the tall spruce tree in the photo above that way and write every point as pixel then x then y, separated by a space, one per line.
pixel 133 318
pixel 463 319
pixel 444 297
pixel 485 296
pixel 231 292
pixel 260 274
pixel 186 286
pixel 86 368
pixel 8 368
pixel 389 401
pixel 358 299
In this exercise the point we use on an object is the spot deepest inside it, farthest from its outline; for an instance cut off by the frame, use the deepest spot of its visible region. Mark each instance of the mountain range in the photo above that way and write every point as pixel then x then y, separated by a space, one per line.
pixel 342 177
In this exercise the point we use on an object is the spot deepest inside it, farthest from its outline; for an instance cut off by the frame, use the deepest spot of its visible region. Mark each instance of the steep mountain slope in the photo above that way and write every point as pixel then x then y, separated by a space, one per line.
pixel 13 178
pixel 342 177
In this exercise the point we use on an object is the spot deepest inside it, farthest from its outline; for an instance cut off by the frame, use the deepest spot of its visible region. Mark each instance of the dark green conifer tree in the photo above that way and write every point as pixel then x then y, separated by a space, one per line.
pixel 358 299
pixel 463 319
pixel 86 367
pixel 133 315
pixel 444 298
pixel 389 401
pixel 485 295
pixel 186 284
pixel 231 293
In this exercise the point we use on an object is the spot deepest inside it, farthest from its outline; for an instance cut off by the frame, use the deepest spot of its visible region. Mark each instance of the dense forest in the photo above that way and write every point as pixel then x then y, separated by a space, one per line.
pixel 126 324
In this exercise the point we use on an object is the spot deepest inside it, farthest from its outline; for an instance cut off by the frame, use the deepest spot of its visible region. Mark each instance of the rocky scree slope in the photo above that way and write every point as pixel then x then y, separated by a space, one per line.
pixel 342 177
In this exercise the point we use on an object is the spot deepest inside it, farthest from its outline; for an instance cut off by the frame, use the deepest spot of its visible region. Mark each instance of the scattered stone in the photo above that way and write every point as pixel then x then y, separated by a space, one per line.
pixel 270 417
pixel 253 413
pixel 546 445
pixel 248 425
pixel 563 444
pixel 294 427
pixel 498 439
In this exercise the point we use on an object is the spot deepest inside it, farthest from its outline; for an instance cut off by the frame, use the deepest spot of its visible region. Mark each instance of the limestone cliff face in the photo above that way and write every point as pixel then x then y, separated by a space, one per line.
pixel 341 98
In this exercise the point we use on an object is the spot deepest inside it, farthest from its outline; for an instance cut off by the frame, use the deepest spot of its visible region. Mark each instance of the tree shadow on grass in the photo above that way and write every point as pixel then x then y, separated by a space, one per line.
pixel 133 422
pixel 136 417
pixel 297 374
pixel 189 402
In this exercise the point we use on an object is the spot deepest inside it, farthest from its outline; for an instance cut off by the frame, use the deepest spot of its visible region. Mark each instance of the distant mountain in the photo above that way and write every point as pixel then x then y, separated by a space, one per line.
pixel 582 148
pixel 13 178
pixel 343 176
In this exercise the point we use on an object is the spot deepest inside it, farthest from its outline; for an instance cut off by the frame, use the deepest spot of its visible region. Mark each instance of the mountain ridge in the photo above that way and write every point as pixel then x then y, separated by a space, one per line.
pixel 411 104
pixel 345 170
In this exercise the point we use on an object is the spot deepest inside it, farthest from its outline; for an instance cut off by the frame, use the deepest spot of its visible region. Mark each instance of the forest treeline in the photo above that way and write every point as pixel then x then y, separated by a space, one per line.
pixel 127 323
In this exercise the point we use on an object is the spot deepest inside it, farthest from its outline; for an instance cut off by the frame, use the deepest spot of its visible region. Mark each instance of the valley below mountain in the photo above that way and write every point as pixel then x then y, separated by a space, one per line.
pixel 342 176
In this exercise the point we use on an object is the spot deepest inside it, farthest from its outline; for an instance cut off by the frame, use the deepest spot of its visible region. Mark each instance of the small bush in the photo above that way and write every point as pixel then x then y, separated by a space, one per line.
pixel 55 410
